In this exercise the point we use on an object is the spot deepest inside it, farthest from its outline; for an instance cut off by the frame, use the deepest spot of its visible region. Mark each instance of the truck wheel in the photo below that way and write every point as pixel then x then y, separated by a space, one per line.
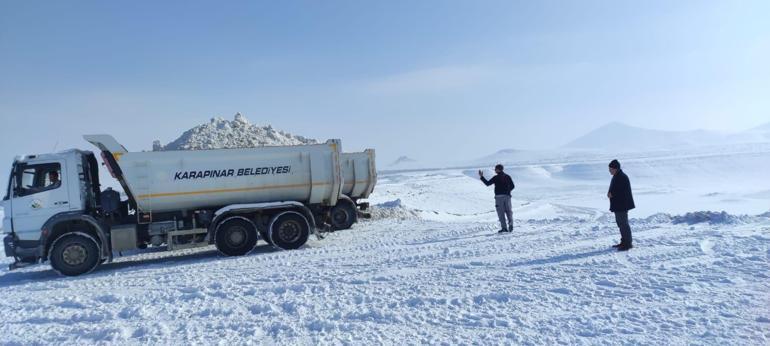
pixel 343 216
pixel 236 237
pixel 289 230
pixel 74 253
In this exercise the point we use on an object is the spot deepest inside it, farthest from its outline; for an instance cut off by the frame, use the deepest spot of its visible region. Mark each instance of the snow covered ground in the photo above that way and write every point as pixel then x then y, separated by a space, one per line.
pixel 429 268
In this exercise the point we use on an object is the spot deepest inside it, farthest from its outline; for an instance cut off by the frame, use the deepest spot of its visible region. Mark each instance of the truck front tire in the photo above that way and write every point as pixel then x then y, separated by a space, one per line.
pixel 73 254
pixel 236 237
pixel 289 230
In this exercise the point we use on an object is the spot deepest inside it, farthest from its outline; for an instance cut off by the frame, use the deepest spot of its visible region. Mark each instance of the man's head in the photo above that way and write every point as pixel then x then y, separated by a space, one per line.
pixel 53 177
pixel 614 167
pixel 498 169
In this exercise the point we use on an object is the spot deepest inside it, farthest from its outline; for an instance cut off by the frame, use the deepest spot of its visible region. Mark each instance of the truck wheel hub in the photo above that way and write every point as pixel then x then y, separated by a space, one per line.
pixel 237 236
pixel 289 231
pixel 74 255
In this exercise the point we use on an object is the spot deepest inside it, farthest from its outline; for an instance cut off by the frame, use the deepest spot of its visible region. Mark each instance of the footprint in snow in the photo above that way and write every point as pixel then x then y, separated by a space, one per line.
pixel 606 283
pixel 561 290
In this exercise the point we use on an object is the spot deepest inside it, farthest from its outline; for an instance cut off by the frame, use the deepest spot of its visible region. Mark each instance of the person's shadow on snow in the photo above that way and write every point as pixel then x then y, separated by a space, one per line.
pixel 559 259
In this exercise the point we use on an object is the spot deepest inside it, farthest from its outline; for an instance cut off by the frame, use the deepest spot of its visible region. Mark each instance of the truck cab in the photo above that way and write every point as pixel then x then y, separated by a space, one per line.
pixel 42 189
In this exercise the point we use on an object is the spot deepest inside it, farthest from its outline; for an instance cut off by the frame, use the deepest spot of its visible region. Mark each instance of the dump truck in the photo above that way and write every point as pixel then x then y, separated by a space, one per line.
pixel 359 176
pixel 56 211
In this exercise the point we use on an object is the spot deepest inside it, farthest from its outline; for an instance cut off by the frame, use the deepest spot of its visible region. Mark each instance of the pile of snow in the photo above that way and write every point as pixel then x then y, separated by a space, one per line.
pixel 225 134
pixel 393 210
pixel 390 204
pixel 712 217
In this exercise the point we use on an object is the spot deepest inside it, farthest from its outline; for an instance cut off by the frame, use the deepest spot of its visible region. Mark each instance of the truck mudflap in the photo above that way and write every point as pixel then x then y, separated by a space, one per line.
pixel 362 210
pixel 23 256
pixel 10 251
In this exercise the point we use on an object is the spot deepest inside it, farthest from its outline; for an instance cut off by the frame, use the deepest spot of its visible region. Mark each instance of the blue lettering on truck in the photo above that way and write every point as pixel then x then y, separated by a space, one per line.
pixel 223 173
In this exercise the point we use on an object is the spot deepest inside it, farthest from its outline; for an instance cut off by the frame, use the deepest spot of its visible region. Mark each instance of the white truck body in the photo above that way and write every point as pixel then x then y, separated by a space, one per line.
pixel 359 174
pixel 163 181
pixel 56 211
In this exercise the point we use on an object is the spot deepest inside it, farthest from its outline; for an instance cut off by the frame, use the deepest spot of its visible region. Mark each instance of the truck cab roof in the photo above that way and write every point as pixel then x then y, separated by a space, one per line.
pixel 50 156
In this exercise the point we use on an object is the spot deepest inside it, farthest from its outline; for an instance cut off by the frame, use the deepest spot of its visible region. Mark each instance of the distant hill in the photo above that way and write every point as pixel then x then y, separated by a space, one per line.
pixel 619 136
pixel 500 156
pixel 403 161
pixel 227 134
pixel 765 127
pixel 758 134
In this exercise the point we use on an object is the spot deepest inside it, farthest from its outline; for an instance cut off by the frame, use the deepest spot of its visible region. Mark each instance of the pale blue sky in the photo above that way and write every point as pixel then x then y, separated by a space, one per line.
pixel 428 79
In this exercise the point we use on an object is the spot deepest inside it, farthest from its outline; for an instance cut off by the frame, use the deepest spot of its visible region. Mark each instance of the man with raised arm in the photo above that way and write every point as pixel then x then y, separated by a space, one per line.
pixel 503 187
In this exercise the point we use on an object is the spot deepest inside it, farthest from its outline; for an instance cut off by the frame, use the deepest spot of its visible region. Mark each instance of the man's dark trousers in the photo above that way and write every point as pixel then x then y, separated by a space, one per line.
pixel 621 218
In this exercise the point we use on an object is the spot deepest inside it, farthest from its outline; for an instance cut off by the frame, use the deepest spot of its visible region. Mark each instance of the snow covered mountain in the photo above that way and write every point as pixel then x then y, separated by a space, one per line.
pixel 220 133
pixel 618 136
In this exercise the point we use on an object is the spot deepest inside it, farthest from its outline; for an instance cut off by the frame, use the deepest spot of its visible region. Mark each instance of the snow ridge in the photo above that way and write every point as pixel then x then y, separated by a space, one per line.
pixel 220 133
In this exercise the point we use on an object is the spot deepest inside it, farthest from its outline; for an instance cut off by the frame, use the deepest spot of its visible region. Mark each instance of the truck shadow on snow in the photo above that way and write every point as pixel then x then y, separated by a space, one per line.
pixel 123 266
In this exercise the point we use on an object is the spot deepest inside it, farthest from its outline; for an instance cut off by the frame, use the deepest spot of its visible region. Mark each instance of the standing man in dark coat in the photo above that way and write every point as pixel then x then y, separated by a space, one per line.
pixel 621 201
pixel 503 187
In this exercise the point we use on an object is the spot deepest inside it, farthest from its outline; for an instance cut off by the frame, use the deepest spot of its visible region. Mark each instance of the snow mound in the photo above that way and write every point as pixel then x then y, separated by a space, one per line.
pixel 226 134
pixel 658 218
pixel 393 210
pixel 712 217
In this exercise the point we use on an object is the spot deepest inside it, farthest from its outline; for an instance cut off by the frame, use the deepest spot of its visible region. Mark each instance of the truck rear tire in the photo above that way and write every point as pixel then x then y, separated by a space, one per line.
pixel 73 254
pixel 236 237
pixel 343 216
pixel 289 230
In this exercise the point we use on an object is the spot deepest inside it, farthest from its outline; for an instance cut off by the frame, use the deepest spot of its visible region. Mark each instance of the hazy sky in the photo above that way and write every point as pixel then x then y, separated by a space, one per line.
pixel 428 79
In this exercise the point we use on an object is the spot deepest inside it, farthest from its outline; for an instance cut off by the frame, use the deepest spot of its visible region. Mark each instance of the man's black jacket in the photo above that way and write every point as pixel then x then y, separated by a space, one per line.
pixel 503 184
pixel 620 188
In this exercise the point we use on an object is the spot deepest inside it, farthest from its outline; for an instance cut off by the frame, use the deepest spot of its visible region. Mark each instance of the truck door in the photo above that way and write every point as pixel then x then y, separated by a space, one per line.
pixel 40 192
